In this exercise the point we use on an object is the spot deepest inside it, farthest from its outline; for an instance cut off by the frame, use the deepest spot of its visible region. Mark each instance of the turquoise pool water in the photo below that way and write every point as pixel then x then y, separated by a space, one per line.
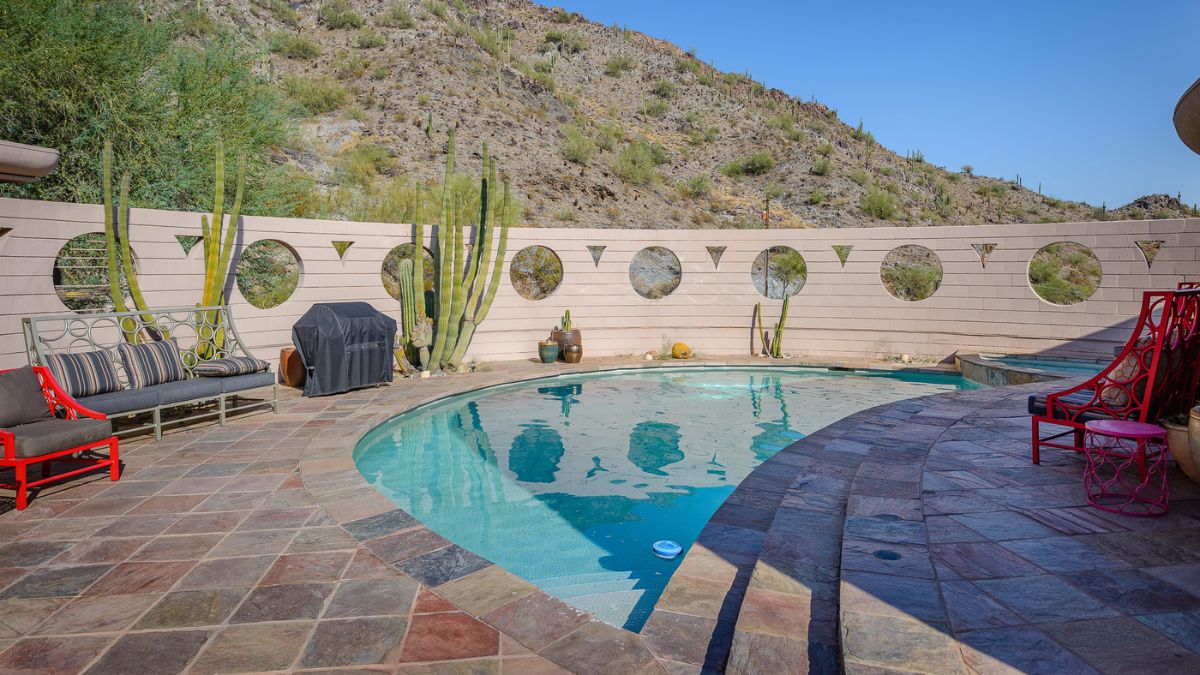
pixel 568 482
pixel 1065 367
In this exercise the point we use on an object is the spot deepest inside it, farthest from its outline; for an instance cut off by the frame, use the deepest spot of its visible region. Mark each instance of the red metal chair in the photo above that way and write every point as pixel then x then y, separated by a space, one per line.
pixel 1154 376
pixel 62 407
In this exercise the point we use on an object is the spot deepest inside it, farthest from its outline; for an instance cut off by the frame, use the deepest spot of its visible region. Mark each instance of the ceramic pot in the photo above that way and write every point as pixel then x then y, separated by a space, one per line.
pixel 548 351
pixel 1189 457
pixel 567 337
pixel 572 353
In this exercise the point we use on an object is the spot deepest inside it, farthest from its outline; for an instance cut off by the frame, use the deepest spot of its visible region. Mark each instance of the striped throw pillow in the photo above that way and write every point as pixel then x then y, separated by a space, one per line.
pixel 227 367
pixel 84 373
pixel 152 363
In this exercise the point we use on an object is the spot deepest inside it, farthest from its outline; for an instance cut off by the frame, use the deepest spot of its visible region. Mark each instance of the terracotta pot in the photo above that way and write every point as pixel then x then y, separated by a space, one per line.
pixel 548 351
pixel 1189 457
pixel 291 368
pixel 572 353
pixel 567 337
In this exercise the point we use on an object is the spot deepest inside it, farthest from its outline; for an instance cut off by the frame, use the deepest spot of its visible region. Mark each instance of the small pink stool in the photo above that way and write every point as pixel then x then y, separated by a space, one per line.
pixel 1126 468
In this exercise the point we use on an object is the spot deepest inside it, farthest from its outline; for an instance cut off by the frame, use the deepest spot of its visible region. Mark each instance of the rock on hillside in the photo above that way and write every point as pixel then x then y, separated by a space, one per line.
pixel 596 126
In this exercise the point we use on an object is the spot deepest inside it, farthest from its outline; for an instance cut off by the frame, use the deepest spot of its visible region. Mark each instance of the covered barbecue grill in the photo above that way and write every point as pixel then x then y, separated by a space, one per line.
pixel 344 346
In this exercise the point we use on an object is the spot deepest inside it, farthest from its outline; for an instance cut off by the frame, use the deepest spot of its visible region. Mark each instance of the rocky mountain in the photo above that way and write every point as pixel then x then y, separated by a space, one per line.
pixel 596 125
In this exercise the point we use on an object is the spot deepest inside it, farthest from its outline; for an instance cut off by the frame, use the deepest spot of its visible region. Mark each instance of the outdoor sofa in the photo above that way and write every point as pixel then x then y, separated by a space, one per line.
pixel 142 364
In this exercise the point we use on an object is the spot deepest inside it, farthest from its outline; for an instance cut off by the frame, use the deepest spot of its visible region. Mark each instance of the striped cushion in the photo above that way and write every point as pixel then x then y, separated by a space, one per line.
pixel 84 373
pixel 230 366
pixel 152 363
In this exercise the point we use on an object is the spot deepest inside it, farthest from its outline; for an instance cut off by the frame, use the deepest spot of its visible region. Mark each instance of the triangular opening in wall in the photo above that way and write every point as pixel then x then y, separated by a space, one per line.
pixel 1149 250
pixel 984 251
pixel 715 252
pixel 843 252
pixel 188 241
pixel 341 247
pixel 596 251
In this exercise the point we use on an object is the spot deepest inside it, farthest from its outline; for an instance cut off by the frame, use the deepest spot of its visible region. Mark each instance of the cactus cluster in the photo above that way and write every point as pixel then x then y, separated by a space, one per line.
pixel 117 234
pixel 466 280
pixel 217 248
pixel 772 345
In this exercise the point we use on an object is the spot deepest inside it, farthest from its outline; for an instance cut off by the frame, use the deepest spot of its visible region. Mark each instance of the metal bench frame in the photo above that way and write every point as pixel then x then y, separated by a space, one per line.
pixel 203 334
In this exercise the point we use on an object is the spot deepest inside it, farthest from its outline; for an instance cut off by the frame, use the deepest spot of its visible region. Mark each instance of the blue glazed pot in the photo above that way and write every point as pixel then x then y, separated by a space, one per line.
pixel 548 353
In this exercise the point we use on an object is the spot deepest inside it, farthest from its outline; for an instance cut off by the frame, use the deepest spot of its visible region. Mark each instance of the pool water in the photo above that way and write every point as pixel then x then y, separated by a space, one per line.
pixel 1065 367
pixel 569 481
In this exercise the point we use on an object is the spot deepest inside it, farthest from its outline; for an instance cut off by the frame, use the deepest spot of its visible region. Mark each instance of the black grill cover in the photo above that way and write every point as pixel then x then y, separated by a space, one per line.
pixel 344 346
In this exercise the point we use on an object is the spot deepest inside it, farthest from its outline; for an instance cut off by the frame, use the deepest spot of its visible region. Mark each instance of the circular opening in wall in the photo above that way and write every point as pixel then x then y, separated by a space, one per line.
pixel 786 274
pixel 535 272
pixel 911 272
pixel 81 274
pixel 1064 273
pixel 390 271
pixel 268 272
pixel 655 272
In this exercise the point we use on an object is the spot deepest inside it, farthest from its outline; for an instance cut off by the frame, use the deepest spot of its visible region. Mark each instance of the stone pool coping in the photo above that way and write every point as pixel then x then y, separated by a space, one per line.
pixel 690 627
pixel 984 370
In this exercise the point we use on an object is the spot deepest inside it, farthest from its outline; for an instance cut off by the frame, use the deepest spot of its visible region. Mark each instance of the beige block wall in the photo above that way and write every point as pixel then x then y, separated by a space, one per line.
pixel 841 312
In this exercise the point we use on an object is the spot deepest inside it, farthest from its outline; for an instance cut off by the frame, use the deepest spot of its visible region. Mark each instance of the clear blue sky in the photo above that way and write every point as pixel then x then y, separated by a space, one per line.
pixel 1077 95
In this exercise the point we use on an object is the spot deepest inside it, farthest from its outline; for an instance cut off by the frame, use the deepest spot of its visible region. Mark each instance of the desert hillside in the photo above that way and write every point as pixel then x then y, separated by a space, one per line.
pixel 595 125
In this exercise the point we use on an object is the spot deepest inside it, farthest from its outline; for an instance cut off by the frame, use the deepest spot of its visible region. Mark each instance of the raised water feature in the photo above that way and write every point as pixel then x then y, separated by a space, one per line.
pixel 568 482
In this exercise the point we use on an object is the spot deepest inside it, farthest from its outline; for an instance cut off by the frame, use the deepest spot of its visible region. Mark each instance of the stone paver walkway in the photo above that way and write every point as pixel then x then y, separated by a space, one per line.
pixel 911 537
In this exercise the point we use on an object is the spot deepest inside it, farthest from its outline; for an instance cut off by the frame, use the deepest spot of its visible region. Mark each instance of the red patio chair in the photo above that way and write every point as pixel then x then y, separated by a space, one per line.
pixel 41 424
pixel 1154 376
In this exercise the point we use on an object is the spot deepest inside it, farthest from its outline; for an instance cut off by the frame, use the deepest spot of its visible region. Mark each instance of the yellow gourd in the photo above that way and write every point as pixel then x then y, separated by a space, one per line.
pixel 681 351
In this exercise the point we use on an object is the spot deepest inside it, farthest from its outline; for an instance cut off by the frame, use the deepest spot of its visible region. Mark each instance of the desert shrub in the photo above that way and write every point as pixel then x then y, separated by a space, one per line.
pixel 636 162
pixel 437 8
pixel 560 15
pixel 294 46
pixel 860 177
pixel 492 40
pixel 363 162
pixel 912 282
pixel 348 65
pixel 279 9
pixel 823 166
pixel 687 65
pixel 751 165
pixel 566 42
pixel 696 187
pixel 878 203
pixel 784 121
pixel 968 169
pixel 825 149
pixel 654 107
pixel 606 137
pixel 369 38
pixel 164 104
pixel 315 95
pixel 663 89
pixel 267 273
pixel 617 65
pixel 817 196
pixel 194 22
pixel 395 15
pixel 576 146
pixel 545 80
pixel 338 14
pixel 702 135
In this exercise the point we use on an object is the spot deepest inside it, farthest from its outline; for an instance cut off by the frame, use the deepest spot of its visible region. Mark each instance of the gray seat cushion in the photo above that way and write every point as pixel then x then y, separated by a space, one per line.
pixel 46 436
pixel 187 390
pixel 1037 405
pixel 121 401
pixel 21 398
pixel 244 382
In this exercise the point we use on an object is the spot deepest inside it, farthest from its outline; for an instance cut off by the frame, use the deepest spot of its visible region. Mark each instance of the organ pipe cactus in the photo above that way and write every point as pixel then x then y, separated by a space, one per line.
pixel 110 235
pixel 218 248
pixel 772 345
pixel 466 281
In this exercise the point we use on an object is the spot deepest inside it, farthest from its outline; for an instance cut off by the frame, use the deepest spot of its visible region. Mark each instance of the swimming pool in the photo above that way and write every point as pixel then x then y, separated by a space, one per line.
pixel 1064 367
pixel 569 481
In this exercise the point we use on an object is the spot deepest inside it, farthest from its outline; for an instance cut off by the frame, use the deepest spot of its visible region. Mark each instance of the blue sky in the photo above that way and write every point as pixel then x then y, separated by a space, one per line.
pixel 1075 95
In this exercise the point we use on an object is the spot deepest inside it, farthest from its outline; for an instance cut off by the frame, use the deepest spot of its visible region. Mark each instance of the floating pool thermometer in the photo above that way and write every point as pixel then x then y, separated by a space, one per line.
pixel 667 549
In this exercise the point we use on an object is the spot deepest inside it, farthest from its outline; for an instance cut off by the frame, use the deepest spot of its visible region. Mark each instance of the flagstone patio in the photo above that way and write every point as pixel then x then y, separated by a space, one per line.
pixel 911 537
